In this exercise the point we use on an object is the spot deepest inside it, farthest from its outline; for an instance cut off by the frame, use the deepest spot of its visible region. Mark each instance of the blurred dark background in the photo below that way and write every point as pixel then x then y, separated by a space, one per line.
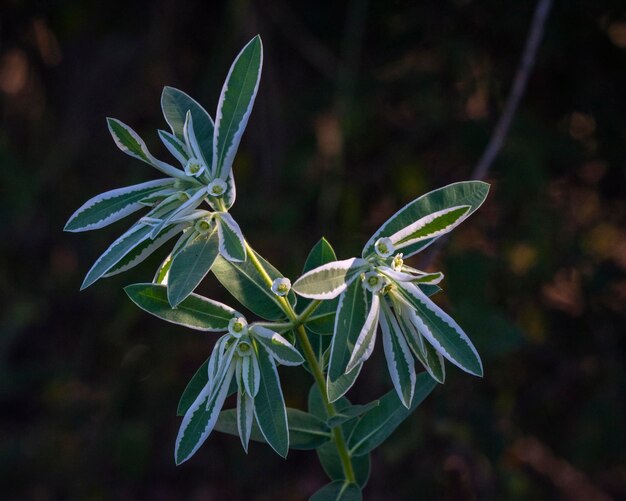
pixel 362 107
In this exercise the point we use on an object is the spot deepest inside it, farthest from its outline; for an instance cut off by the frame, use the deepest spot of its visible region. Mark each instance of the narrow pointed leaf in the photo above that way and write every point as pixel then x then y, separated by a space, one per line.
pixel 200 419
pixel 232 245
pixel 195 312
pixel 400 362
pixel 190 266
pixel 247 285
pixel 431 226
pixel 245 417
pixel 329 280
pixel 442 331
pixel 269 405
pixel 281 350
pixel 130 143
pixel 380 422
pixel 142 251
pixel 472 193
pixel 175 146
pixel 175 104
pixel 117 250
pixel 195 385
pixel 350 319
pixel 251 375
pixel 364 345
pixel 114 205
pixel 235 105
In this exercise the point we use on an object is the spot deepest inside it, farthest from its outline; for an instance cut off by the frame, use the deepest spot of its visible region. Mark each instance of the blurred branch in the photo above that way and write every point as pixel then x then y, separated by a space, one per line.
pixel 517 90
pixel 516 93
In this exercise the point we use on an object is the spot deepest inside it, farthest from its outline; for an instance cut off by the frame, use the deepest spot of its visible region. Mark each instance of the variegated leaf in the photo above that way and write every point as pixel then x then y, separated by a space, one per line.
pixel 235 105
pixel 329 280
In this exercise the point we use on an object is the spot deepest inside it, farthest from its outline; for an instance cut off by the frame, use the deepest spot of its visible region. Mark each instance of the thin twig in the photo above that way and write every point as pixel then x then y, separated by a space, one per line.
pixel 518 88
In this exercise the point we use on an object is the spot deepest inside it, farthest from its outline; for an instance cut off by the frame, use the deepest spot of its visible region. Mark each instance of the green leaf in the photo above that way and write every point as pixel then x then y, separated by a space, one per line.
pixel 306 432
pixel 432 226
pixel 130 143
pixel 235 105
pixel 190 266
pixel 269 405
pixel 364 344
pixel 400 362
pixel 331 463
pixel 200 418
pixel 232 244
pixel 245 417
pixel 441 331
pixel 472 193
pixel 329 280
pixel 195 385
pixel 114 205
pixel 175 104
pixel 338 491
pixel 351 316
pixel 117 250
pixel 142 251
pixel 247 285
pixel 175 146
pixel 281 350
pixel 351 412
pixel 195 312
pixel 380 422
pixel 323 320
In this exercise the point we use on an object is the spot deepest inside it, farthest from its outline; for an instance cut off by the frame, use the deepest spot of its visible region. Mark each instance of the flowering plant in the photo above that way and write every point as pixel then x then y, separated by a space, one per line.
pixel 328 320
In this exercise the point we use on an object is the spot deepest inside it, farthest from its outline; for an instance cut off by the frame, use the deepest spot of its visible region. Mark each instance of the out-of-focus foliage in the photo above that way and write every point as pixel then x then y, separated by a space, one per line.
pixel 393 99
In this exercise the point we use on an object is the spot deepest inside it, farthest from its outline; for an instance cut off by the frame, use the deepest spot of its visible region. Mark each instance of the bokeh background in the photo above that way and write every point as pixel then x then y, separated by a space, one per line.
pixel 362 107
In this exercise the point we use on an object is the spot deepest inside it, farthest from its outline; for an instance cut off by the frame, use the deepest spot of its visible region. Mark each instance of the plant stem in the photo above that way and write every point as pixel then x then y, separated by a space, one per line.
pixel 309 355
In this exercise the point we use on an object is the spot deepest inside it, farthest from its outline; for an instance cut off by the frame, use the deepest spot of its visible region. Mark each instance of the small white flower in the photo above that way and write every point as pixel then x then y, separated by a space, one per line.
pixel 281 286
pixel 217 188
pixel 244 347
pixel 373 281
pixel 397 262
pixel 384 247
pixel 194 167
pixel 203 225
pixel 238 327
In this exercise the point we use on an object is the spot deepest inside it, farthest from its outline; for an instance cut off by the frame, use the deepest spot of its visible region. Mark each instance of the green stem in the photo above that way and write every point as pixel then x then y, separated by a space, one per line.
pixel 309 355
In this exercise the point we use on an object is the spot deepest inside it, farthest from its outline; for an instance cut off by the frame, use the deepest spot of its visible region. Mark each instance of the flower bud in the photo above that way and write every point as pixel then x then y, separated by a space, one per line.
pixel 373 281
pixel 194 167
pixel 203 225
pixel 384 247
pixel 217 188
pixel 238 327
pixel 281 286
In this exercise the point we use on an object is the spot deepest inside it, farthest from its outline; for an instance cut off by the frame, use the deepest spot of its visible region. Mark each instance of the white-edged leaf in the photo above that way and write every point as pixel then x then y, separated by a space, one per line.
pixel 442 331
pixel 183 209
pixel 431 226
pixel 130 143
pixel 175 104
pixel 113 205
pixel 281 350
pixel 329 280
pixel 191 265
pixel 116 251
pixel 231 191
pixel 364 345
pixel 245 417
pixel 175 146
pixel 250 375
pixel 472 193
pixel 163 271
pixel 269 404
pixel 193 146
pixel 399 359
pixel 195 312
pixel 200 419
pixel 235 105
pixel 144 250
pixel 232 244
pixel 351 315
